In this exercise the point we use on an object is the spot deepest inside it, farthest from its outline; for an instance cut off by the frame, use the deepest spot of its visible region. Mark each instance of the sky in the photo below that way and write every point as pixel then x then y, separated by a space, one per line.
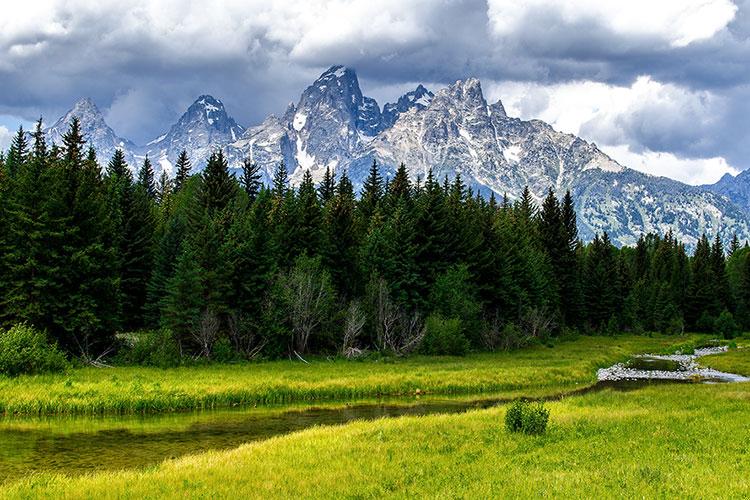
pixel 662 86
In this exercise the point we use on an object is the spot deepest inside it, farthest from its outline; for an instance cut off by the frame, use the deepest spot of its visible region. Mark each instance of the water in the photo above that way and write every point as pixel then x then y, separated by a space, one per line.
pixel 671 367
pixel 77 445
pixel 86 444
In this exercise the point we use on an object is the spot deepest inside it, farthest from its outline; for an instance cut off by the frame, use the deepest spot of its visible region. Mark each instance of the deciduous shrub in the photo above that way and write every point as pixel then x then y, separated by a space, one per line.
pixel 726 326
pixel 24 350
pixel 444 336
pixel 526 417
pixel 150 348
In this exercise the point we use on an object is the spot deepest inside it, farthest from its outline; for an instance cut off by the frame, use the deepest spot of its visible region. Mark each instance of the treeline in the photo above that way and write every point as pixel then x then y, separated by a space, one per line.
pixel 228 265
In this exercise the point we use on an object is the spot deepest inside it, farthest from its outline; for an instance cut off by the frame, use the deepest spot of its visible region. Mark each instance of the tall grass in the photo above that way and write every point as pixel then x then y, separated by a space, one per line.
pixel 687 441
pixel 141 390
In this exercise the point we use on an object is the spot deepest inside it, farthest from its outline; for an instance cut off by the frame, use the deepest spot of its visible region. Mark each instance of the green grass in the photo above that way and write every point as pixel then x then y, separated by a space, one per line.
pixel 537 371
pixel 733 361
pixel 687 441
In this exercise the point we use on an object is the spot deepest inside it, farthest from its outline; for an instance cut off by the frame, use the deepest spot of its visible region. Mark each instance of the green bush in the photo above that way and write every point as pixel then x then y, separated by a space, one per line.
pixel 444 336
pixel 24 350
pixel 726 326
pixel 223 352
pixel 526 417
pixel 150 348
pixel 513 338
pixel 705 323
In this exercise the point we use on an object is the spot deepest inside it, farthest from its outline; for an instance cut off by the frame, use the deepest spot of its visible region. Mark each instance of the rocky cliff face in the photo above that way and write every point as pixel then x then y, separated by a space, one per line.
pixel 203 127
pixel 453 131
pixel 95 130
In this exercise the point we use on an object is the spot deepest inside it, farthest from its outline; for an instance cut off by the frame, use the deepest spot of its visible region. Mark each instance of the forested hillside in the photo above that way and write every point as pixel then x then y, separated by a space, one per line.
pixel 226 266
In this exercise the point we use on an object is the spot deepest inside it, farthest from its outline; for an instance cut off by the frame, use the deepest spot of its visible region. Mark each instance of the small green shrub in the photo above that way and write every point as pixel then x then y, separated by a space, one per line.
pixel 24 350
pixel 526 417
pixel 150 348
pixel 444 336
pixel 705 323
pixel 726 326
pixel 223 352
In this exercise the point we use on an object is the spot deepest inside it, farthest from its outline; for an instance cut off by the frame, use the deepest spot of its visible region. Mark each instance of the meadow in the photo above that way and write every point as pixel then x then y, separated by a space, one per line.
pixel 685 440
pixel 734 360
pixel 535 371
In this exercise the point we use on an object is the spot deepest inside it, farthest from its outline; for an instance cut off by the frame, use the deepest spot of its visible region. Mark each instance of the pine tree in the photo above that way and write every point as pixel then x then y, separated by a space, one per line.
pixel 146 178
pixel 218 187
pixel 18 153
pixel 308 217
pixel 280 182
pixel 370 198
pixel 734 245
pixel 721 284
pixel 554 239
pixel 29 261
pixel 250 179
pixel 341 246
pixel 601 282
pixel 702 295
pixel 85 312
pixel 400 187
pixel 163 189
pixel 117 166
pixel 183 303
pixel 327 188
pixel 182 170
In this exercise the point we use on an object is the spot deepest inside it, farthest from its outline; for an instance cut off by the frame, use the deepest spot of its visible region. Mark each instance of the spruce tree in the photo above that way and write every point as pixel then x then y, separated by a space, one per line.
pixel 218 187
pixel 117 166
pixel 182 170
pixel 280 182
pixel 400 187
pixel 86 310
pixel 146 178
pixel 250 179
pixel 18 152
pixel 340 246
pixel 327 187
pixel 308 217
pixel 31 240
pixel 163 189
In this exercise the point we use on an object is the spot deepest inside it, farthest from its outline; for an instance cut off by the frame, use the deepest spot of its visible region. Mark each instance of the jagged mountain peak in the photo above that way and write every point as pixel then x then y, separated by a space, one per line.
pixel 452 131
pixel 95 131
pixel 337 72
pixel 418 98
pixel 204 126
pixel 85 105
pixel 467 91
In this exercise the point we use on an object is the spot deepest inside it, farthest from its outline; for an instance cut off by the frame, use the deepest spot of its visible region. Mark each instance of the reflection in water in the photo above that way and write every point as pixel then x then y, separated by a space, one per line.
pixel 72 447
pixel 87 444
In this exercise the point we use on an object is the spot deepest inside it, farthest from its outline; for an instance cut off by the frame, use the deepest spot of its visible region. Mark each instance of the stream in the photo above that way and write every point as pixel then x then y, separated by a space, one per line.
pixel 77 445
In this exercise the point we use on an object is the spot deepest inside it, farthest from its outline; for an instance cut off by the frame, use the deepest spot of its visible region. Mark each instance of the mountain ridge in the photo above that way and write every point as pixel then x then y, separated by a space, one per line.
pixel 452 131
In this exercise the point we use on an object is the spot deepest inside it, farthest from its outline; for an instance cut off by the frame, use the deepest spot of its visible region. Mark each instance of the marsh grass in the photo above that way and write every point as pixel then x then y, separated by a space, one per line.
pixel 142 390
pixel 736 360
pixel 687 441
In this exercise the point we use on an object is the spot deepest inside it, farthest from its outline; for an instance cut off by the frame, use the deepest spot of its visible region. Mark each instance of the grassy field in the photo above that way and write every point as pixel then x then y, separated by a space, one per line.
pixel 734 360
pixel 689 441
pixel 538 371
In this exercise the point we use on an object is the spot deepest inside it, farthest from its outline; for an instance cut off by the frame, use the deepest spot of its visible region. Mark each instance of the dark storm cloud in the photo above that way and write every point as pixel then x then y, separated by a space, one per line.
pixel 144 63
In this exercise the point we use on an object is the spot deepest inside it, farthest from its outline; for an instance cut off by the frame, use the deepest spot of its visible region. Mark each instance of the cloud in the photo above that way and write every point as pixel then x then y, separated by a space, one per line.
pixel 5 138
pixel 664 129
pixel 667 76
pixel 677 23
pixel 689 170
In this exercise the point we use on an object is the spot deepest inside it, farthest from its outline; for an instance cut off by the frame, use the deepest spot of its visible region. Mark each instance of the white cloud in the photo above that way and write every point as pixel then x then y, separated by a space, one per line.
pixel 689 170
pixel 658 128
pixel 5 137
pixel 676 22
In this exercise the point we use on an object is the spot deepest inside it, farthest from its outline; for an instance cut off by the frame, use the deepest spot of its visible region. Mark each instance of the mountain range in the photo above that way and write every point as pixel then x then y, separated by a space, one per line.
pixel 453 131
